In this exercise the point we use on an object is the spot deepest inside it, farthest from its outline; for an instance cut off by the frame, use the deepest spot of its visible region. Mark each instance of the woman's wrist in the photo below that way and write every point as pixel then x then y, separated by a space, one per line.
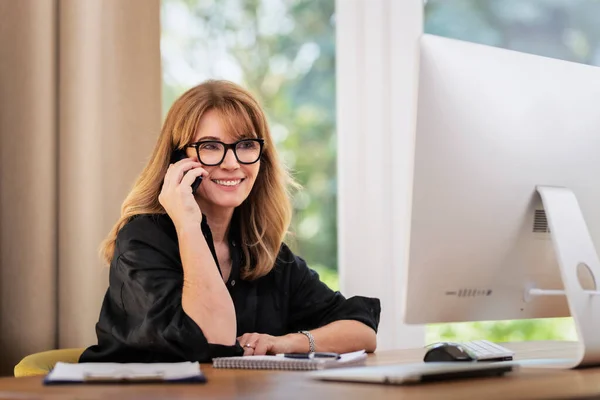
pixel 188 227
pixel 297 343
pixel 196 258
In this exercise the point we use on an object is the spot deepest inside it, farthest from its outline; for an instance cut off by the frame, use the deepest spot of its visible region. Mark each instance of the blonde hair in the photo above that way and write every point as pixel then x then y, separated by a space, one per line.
pixel 264 217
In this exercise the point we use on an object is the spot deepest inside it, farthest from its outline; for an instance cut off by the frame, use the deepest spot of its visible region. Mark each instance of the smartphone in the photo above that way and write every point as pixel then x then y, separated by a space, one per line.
pixel 178 155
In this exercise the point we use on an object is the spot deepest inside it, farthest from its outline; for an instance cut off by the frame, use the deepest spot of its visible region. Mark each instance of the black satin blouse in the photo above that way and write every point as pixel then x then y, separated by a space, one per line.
pixel 142 319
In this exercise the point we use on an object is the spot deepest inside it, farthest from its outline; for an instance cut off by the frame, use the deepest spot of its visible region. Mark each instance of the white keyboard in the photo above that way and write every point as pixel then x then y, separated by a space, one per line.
pixel 485 350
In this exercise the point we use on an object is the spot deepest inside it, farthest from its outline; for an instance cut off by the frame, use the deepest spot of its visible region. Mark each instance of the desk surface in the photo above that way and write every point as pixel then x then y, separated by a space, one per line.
pixel 249 384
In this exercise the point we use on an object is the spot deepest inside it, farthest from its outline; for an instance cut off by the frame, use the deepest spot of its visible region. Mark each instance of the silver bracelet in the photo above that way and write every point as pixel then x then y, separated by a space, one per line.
pixel 311 341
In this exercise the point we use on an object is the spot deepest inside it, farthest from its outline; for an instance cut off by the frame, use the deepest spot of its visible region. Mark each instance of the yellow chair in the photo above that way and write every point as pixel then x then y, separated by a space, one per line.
pixel 42 363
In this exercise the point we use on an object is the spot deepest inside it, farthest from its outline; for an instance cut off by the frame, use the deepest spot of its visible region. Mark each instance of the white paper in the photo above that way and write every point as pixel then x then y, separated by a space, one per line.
pixel 347 357
pixel 117 371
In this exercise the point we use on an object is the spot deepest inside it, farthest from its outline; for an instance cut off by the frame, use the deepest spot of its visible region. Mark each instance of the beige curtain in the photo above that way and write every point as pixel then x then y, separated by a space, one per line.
pixel 79 114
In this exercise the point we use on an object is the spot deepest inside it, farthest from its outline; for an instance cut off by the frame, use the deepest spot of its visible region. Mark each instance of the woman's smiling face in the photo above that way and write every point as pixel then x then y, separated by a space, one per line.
pixel 229 183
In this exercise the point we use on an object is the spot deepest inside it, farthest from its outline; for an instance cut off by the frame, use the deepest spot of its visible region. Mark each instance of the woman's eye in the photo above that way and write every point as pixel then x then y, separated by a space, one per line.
pixel 247 145
pixel 209 146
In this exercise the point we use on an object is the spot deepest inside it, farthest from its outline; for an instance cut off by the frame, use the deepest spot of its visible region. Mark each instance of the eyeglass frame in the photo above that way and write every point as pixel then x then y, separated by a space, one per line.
pixel 226 146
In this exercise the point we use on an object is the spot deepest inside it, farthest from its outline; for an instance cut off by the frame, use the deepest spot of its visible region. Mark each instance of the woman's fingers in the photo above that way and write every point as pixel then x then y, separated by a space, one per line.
pixel 177 200
pixel 248 351
pixel 261 347
pixel 176 171
pixel 248 341
pixel 244 339
pixel 256 344
pixel 191 176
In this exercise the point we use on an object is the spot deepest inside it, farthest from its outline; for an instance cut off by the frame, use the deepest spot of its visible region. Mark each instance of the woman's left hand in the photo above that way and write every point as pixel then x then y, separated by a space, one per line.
pixel 259 344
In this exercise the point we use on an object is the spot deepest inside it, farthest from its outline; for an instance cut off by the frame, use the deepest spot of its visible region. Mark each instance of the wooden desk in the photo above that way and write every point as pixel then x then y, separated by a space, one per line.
pixel 247 384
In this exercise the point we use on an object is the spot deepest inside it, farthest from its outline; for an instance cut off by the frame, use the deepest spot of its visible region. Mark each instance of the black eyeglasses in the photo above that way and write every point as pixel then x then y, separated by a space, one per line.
pixel 212 152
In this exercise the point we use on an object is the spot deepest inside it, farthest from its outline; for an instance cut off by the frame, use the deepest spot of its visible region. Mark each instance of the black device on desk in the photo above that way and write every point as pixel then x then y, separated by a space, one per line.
pixel 178 155
pixel 449 351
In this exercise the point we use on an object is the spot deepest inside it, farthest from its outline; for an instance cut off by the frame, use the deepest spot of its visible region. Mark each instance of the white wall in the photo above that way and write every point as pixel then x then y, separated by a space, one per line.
pixel 377 74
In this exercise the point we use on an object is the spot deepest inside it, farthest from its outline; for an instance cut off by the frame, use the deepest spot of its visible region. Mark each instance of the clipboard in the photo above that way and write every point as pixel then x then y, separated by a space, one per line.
pixel 102 373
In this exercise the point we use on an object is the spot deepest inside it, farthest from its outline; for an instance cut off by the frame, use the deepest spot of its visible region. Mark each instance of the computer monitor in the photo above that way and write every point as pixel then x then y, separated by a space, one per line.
pixel 493 125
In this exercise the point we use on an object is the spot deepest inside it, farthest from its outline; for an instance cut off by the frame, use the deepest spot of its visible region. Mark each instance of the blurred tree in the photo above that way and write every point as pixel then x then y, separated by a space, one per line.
pixel 564 29
pixel 283 51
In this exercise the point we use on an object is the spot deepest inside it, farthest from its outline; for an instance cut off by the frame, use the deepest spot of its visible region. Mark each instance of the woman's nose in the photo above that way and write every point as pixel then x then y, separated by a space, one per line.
pixel 230 162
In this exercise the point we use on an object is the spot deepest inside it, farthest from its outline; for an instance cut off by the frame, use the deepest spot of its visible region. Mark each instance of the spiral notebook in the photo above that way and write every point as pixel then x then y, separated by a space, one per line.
pixel 356 358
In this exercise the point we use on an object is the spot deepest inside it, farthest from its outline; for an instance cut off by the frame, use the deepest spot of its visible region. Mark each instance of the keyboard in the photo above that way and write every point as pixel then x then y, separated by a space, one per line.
pixel 484 350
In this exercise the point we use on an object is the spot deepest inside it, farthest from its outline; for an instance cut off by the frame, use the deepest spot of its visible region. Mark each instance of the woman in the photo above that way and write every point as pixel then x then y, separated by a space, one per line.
pixel 204 274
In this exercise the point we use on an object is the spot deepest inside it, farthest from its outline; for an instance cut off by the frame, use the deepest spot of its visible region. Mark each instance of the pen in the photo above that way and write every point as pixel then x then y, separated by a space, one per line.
pixel 310 356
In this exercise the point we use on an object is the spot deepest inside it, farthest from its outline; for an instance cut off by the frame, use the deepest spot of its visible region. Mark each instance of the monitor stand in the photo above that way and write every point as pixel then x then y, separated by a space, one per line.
pixel 574 250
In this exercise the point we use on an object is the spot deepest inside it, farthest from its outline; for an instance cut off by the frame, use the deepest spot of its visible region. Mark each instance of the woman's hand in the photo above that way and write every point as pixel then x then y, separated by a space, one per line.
pixel 176 195
pixel 259 344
